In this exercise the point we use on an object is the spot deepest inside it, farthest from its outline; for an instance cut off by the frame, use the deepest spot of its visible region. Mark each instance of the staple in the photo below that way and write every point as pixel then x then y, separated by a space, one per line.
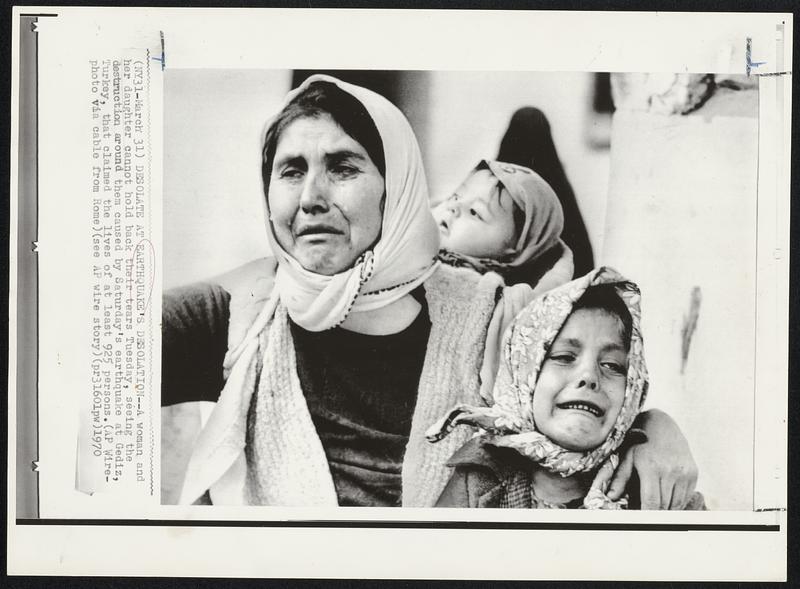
pixel 747 57
pixel 163 57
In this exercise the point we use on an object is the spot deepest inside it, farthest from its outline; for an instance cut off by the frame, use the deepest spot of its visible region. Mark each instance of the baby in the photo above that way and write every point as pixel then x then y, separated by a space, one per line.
pixel 572 379
pixel 505 218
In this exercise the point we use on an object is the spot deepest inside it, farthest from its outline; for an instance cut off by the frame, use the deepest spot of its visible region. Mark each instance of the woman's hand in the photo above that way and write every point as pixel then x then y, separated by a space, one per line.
pixel 667 471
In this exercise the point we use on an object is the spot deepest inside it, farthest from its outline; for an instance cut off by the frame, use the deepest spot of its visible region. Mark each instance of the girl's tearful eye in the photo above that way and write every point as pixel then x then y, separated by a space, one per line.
pixel 561 357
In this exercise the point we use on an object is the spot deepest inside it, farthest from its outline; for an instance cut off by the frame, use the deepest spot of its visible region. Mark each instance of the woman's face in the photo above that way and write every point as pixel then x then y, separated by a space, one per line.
pixel 325 196
pixel 478 220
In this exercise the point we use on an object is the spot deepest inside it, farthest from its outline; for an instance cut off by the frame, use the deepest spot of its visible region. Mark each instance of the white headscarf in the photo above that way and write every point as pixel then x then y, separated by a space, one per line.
pixel 403 257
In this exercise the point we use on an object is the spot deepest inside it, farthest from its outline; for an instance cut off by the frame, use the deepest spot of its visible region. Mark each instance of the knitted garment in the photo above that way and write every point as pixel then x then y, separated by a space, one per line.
pixel 286 464
pixel 279 459
pixel 515 298
pixel 460 305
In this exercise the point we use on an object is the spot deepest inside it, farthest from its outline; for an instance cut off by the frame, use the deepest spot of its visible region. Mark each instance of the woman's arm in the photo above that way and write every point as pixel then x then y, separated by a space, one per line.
pixel 665 465
pixel 194 340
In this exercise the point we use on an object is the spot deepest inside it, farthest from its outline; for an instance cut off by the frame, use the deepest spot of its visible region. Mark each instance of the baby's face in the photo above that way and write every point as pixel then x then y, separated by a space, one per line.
pixel 581 386
pixel 477 220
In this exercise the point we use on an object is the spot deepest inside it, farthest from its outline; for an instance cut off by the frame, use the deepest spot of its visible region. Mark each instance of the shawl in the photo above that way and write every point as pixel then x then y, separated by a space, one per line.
pixel 541 229
pixel 404 255
pixel 509 422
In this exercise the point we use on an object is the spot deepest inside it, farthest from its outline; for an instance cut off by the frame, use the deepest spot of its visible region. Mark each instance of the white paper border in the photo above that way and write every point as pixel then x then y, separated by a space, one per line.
pixel 405 39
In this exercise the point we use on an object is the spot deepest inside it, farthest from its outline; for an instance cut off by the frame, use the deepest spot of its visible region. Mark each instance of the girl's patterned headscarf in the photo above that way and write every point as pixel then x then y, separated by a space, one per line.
pixel 509 422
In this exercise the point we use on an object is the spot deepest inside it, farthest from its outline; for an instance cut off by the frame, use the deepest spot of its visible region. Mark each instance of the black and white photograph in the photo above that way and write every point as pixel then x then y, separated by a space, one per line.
pixel 315 249
pixel 383 281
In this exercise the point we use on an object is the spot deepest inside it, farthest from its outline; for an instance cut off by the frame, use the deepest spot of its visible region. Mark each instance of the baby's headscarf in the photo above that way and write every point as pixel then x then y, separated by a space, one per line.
pixel 541 230
pixel 403 257
pixel 509 422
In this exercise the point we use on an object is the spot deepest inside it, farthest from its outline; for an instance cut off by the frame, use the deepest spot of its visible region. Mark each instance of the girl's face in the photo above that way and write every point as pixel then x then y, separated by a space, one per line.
pixel 325 196
pixel 581 386
pixel 478 220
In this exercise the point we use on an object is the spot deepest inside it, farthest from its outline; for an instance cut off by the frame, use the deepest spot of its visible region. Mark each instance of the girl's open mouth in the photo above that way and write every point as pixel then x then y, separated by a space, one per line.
pixel 586 406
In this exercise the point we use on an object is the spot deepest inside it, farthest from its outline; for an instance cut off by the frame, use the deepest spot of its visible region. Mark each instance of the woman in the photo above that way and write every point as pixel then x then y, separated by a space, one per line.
pixel 528 141
pixel 351 342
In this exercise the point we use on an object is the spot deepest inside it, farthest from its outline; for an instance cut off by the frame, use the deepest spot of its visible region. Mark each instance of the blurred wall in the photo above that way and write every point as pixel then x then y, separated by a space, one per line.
pixel 682 224
pixel 214 120
pixel 213 208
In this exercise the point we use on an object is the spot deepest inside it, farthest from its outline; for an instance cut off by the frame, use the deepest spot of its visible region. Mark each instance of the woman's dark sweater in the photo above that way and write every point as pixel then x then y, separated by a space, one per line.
pixel 360 389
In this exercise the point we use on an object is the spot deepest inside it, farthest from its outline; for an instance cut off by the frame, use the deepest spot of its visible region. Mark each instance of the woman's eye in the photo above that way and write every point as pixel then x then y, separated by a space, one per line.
pixel 475 214
pixel 344 170
pixel 290 173
pixel 615 367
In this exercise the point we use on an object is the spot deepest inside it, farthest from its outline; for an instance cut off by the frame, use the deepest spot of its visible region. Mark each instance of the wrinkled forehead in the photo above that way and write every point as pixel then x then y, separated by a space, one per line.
pixel 317 129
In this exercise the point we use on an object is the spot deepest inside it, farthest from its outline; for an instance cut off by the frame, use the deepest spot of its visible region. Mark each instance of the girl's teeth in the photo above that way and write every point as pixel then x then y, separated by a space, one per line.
pixel 583 407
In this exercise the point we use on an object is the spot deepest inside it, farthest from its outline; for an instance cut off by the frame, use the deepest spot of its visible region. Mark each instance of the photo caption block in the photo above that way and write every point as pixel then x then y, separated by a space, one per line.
pixel 116 438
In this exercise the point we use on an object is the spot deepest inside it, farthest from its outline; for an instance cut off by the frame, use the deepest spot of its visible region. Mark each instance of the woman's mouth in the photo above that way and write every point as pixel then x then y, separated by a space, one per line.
pixel 586 406
pixel 317 229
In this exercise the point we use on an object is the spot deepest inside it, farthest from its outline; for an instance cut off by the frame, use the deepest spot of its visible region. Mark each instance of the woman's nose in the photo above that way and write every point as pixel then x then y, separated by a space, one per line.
pixel 314 195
